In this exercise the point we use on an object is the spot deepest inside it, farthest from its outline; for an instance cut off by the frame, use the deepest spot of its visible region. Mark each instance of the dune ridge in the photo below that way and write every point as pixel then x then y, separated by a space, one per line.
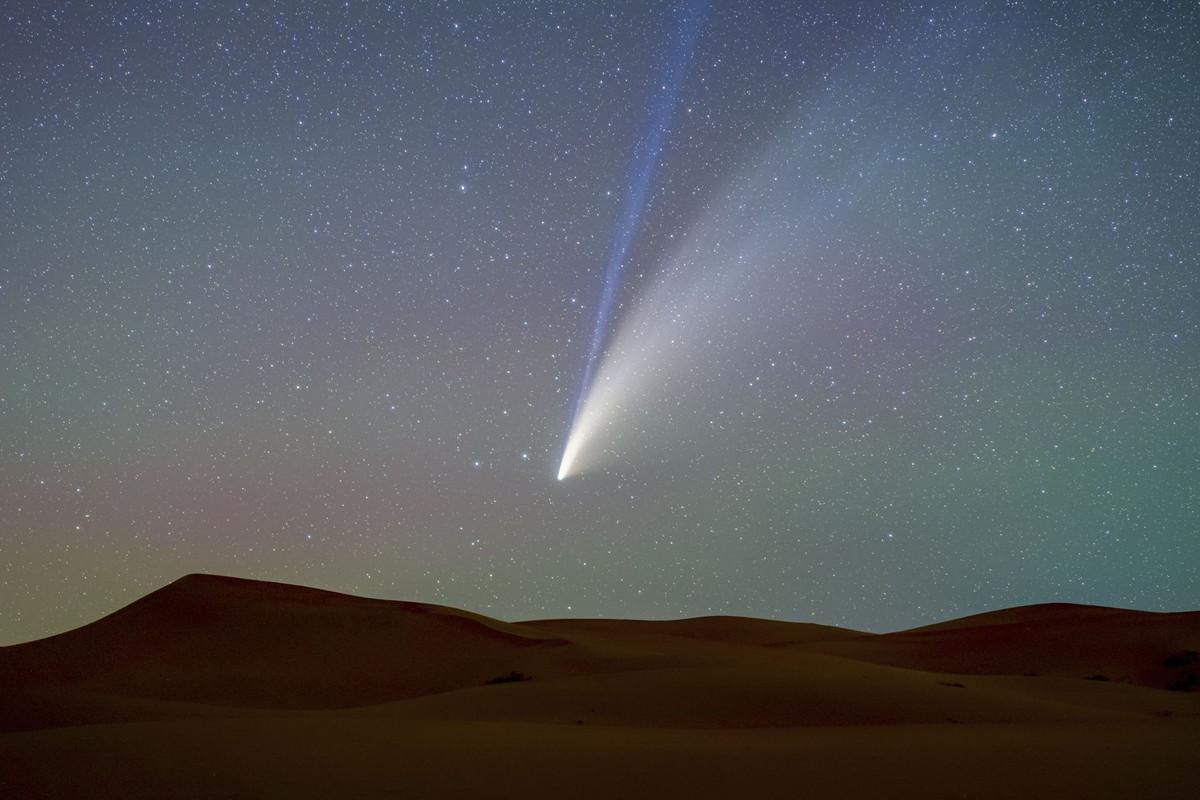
pixel 210 661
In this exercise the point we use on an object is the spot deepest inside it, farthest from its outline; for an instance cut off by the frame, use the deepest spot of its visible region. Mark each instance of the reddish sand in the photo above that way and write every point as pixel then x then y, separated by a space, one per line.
pixel 219 687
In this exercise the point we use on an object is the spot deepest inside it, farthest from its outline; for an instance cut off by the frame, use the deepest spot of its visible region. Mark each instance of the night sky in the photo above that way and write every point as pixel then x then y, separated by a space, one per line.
pixel 306 292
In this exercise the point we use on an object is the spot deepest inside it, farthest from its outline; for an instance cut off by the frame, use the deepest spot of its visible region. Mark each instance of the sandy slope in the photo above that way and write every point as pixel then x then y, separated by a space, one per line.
pixel 730 630
pixel 229 642
pixel 221 687
pixel 1056 639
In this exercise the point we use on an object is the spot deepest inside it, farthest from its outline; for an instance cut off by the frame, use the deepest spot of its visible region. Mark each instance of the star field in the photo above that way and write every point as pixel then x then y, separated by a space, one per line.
pixel 302 292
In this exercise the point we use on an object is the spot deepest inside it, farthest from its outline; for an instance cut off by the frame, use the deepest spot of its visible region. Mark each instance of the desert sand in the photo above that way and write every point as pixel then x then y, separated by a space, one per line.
pixel 222 687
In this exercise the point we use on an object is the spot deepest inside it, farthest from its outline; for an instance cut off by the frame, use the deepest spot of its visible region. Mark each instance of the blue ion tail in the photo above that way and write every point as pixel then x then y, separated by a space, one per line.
pixel 691 17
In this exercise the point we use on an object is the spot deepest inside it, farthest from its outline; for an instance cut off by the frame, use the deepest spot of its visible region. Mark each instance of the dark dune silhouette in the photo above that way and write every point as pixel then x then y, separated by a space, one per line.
pixel 1057 639
pixel 235 688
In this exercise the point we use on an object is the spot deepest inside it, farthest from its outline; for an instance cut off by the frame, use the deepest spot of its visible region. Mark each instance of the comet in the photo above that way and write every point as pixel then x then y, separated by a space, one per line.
pixel 750 272
pixel 737 276
pixel 645 161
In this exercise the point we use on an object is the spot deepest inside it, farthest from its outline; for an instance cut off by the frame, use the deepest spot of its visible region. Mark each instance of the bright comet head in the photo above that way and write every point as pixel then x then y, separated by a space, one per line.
pixel 570 452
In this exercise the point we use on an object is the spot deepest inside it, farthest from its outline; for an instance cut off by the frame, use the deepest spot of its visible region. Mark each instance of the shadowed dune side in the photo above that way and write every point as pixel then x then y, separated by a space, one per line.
pixel 223 687
pixel 208 646
pixel 228 642
pixel 1104 644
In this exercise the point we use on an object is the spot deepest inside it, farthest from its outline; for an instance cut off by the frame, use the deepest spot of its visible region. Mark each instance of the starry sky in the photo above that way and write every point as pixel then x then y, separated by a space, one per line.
pixel 304 292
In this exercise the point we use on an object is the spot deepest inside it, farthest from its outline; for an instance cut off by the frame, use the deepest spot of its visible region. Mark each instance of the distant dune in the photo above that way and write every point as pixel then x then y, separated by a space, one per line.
pixel 216 686
pixel 1069 641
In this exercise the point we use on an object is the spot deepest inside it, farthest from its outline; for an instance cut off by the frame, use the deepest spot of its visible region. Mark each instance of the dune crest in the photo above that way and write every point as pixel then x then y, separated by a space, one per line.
pixel 216 665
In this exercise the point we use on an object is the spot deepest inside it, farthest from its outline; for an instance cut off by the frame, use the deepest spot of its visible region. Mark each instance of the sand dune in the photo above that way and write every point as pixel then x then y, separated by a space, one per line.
pixel 1105 644
pixel 219 686
pixel 732 630
pixel 206 639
